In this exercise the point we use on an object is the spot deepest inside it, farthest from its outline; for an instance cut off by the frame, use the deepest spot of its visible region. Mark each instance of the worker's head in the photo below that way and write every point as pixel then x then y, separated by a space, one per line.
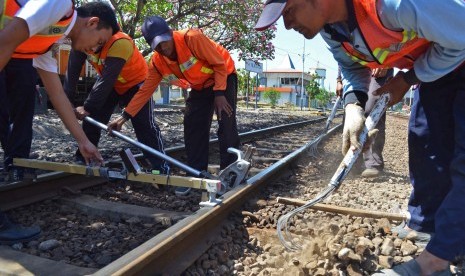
pixel 304 16
pixel 95 25
pixel 158 35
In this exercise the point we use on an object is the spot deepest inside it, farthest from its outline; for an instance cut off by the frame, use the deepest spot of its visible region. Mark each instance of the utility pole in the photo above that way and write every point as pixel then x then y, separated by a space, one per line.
pixel 302 90
pixel 247 91
pixel 256 91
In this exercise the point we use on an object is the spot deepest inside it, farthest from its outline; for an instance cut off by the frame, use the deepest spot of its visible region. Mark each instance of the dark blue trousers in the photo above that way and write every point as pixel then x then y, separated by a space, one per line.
pixel 17 93
pixel 437 163
pixel 145 127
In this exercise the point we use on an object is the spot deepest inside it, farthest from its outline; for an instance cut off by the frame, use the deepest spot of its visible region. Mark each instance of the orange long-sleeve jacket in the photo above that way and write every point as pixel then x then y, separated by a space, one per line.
pixel 203 49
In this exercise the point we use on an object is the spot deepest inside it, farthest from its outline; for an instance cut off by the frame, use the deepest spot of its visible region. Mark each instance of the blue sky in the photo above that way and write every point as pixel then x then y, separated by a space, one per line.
pixel 292 43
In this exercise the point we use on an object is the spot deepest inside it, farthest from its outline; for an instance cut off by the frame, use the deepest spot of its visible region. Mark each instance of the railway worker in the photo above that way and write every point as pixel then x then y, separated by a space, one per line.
pixel 122 70
pixel 29 29
pixel 406 34
pixel 373 157
pixel 189 59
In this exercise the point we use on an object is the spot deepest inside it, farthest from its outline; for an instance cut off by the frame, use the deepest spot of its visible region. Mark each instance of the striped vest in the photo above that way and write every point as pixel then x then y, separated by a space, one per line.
pixel 41 42
pixel 194 72
pixel 388 48
pixel 134 70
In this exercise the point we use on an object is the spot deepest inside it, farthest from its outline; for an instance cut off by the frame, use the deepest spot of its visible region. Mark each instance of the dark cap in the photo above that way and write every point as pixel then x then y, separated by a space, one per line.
pixel 156 30
pixel 271 12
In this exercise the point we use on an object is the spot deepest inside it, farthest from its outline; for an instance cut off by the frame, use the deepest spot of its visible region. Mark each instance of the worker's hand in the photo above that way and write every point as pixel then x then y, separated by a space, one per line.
pixel 90 153
pixel 379 72
pixel 222 105
pixel 353 126
pixel 396 86
pixel 80 113
pixel 339 89
pixel 116 124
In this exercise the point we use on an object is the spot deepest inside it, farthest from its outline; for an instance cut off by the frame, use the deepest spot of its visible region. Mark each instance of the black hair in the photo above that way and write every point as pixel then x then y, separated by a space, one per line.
pixel 101 10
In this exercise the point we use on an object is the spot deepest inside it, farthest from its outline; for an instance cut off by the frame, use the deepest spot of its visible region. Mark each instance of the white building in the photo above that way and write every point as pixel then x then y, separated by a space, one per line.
pixel 287 81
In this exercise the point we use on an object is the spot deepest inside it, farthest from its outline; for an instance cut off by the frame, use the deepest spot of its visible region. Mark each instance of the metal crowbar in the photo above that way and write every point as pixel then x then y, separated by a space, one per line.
pixel 340 174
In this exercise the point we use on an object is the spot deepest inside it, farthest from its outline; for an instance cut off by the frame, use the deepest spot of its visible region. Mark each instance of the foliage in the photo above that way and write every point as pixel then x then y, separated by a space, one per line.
pixel 313 87
pixel 272 95
pixel 242 77
pixel 323 96
pixel 229 23
pixel 316 92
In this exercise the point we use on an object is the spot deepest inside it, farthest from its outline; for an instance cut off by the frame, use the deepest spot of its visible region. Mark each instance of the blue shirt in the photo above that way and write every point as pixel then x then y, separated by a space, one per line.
pixel 441 22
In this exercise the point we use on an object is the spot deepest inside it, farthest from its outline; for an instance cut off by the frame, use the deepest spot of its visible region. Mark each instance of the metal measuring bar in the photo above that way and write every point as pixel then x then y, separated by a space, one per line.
pixel 151 150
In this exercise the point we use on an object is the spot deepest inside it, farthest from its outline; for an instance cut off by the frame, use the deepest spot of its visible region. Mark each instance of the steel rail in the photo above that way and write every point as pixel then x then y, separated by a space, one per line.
pixel 175 249
pixel 251 135
pixel 19 194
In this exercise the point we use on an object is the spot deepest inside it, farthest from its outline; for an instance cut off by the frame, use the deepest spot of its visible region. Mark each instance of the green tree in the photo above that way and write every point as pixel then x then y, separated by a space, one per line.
pixel 272 95
pixel 313 87
pixel 323 96
pixel 242 76
pixel 316 92
pixel 229 23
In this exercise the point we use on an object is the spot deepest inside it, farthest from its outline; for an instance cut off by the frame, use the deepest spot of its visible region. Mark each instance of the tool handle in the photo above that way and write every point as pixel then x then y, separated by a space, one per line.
pixel 333 112
pixel 351 156
pixel 147 148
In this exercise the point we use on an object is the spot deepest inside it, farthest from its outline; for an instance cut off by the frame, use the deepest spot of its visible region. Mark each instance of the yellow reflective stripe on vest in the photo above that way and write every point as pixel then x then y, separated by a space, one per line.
pixel 380 54
pixel 408 35
pixel 191 62
pixel 121 79
pixel 356 59
pixel 206 70
pixel 94 59
pixel 188 64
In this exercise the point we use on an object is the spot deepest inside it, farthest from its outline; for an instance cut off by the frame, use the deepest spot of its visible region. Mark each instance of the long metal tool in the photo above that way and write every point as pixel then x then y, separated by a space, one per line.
pixel 314 148
pixel 340 174
pixel 151 150
pixel 333 113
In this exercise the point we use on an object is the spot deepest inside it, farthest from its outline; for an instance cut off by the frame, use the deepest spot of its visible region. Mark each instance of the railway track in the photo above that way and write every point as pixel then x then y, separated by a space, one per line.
pixel 180 234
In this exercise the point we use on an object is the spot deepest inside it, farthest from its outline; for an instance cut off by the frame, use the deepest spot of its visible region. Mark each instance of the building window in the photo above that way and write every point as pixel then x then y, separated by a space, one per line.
pixel 289 81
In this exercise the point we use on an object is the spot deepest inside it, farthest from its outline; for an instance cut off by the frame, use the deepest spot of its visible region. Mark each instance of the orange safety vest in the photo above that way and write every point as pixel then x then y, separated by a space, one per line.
pixel 195 72
pixel 41 42
pixel 388 48
pixel 133 72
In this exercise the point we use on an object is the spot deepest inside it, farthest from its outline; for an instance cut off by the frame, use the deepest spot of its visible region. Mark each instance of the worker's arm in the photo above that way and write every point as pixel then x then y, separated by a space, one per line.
pixel 118 54
pixel 64 109
pixel 75 62
pixel 356 81
pixel 33 17
pixel 436 21
pixel 141 97
pixel 11 36
pixel 102 88
pixel 145 91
